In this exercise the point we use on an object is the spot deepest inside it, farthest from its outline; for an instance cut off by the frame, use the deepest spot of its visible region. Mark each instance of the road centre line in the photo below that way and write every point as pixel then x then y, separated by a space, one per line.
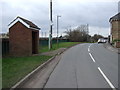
pixel 108 81
pixel 92 57
pixel 88 49
pixel 90 53
pixel 90 45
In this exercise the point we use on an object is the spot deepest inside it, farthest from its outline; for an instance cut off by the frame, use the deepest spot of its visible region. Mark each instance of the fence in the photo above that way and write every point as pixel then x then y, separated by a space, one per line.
pixel 42 42
pixel 5 46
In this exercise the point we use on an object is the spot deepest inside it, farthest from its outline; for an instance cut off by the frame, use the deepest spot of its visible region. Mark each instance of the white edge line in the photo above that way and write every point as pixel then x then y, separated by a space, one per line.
pixel 92 57
pixel 111 85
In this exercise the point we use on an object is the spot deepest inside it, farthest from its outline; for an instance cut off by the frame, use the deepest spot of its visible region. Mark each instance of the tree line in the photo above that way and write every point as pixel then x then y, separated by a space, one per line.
pixel 81 34
pixel 78 34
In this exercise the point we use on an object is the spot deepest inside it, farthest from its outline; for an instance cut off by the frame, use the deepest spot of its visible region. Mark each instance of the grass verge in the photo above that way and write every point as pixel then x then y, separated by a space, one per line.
pixel 55 46
pixel 15 68
pixel 0 73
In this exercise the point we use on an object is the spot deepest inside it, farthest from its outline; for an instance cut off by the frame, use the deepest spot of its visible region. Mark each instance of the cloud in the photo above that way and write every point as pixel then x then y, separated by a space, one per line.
pixel 74 13
pixel 99 30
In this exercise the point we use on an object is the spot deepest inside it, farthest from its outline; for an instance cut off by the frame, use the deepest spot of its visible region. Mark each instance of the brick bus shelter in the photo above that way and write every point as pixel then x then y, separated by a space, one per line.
pixel 23 37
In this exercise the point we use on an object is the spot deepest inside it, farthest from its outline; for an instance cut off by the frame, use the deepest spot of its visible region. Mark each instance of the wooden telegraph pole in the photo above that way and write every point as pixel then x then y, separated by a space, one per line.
pixel 51 23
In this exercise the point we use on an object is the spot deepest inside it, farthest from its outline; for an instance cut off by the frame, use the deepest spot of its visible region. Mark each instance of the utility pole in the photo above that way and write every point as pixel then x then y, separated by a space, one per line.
pixel 87 32
pixel 45 34
pixel 57 29
pixel 51 23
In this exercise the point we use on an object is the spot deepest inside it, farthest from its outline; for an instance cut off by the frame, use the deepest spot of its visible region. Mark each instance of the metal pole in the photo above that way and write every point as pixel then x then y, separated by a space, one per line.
pixel 57 30
pixel 51 22
pixel 87 32
pixel 45 34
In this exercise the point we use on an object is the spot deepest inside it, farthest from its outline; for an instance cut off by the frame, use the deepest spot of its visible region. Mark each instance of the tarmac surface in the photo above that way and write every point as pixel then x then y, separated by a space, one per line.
pixel 86 66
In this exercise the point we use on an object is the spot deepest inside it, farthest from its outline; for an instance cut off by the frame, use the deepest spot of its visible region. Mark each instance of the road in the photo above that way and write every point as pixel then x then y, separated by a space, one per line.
pixel 86 66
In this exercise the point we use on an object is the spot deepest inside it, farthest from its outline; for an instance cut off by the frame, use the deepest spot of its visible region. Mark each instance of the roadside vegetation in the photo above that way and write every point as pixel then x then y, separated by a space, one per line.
pixel 57 46
pixel 15 68
pixel 116 40
pixel 81 34
pixel 0 73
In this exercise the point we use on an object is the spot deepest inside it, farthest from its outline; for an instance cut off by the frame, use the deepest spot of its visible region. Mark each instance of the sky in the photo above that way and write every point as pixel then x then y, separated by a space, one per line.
pixel 73 13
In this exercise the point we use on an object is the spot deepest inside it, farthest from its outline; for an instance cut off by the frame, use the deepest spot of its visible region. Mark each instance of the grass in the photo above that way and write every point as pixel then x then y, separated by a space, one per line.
pixel 15 68
pixel 55 46
pixel 0 73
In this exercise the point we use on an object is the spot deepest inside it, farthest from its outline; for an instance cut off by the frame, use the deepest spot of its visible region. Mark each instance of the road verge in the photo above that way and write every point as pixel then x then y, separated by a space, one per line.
pixel 24 83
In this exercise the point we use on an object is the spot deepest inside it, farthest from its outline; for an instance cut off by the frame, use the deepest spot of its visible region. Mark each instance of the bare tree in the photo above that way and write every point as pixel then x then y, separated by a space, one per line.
pixel 96 37
pixel 78 34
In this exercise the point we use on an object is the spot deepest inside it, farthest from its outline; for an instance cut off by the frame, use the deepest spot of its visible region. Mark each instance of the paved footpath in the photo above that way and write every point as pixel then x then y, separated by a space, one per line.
pixel 40 77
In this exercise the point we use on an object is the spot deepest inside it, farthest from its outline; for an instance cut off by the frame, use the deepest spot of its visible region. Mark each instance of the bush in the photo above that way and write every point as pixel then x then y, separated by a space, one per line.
pixel 116 40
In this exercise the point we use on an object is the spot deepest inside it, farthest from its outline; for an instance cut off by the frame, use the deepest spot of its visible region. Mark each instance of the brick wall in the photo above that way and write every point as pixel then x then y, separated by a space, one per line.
pixel 115 30
pixel 117 44
pixel 20 40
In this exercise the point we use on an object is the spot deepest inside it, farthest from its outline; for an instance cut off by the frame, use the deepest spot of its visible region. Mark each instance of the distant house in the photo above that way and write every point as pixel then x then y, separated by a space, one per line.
pixel 23 37
pixel 115 27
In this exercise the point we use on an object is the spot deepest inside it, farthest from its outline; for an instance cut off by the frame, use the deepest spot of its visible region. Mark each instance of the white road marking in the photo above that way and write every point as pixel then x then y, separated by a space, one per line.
pixel 90 45
pixel 92 57
pixel 88 49
pixel 111 85
pixel 90 53
pixel 108 81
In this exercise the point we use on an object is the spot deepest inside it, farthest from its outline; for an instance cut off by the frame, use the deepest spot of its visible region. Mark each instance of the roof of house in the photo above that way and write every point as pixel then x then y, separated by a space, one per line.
pixel 116 17
pixel 27 23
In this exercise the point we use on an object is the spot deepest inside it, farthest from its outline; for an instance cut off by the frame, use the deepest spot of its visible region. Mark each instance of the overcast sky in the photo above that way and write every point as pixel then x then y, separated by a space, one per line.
pixel 73 13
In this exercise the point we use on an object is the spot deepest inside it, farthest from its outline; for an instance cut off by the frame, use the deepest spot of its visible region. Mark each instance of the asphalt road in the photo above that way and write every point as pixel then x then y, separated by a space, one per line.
pixel 86 66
